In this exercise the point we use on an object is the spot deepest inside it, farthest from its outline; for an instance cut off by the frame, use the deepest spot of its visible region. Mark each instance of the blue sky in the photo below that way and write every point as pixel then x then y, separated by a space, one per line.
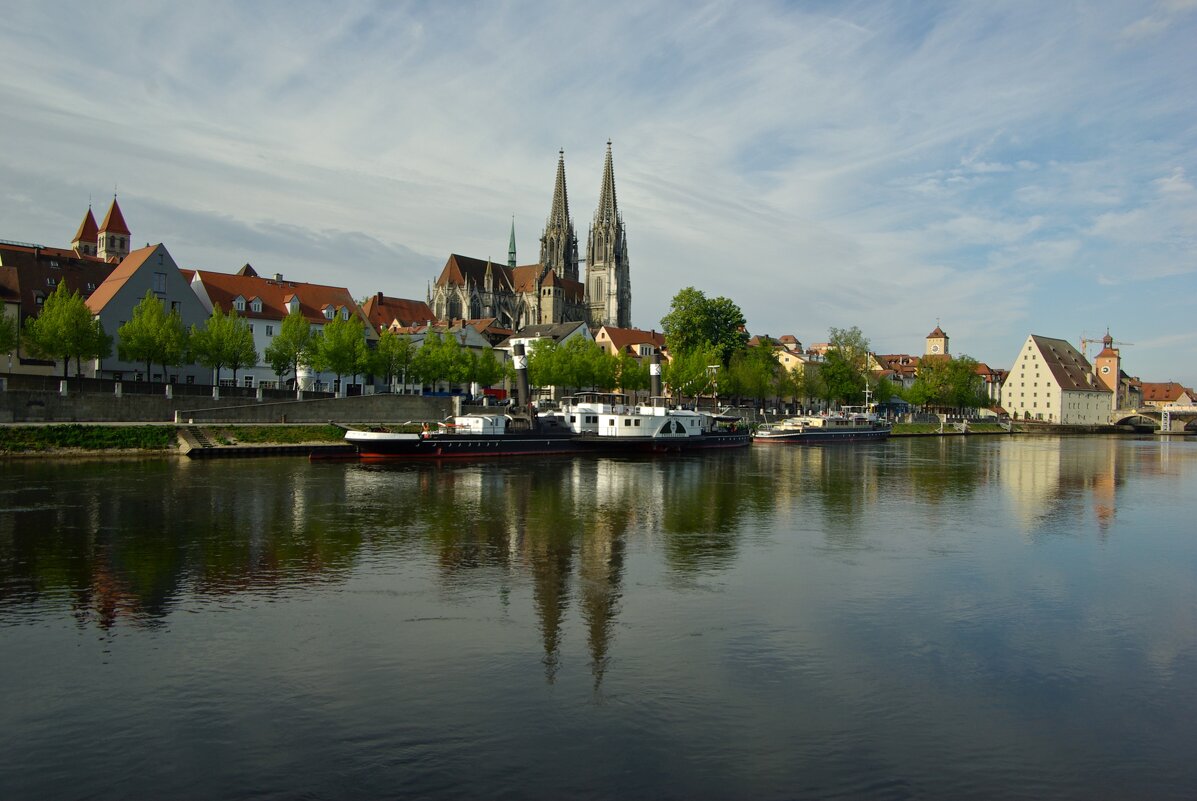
pixel 1003 168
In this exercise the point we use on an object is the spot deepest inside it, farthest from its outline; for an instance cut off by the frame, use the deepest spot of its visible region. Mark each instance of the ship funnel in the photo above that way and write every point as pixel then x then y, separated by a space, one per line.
pixel 520 362
pixel 654 374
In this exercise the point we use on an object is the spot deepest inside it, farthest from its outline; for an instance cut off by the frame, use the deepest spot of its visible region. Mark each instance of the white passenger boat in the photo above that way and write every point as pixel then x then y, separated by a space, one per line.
pixel 609 421
pixel 849 424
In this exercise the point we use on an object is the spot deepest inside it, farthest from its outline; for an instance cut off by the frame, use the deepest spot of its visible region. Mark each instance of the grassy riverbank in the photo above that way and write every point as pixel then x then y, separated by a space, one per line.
pixel 151 439
pixel 75 437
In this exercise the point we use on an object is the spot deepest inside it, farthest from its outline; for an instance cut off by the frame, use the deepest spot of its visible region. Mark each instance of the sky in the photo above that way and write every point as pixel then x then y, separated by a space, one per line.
pixel 998 169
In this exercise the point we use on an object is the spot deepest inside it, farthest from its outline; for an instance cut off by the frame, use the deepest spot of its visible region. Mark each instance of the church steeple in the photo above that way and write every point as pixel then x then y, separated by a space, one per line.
pixel 511 245
pixel 85 238
pixel 559 243
pixel 113 239
pixel 608 281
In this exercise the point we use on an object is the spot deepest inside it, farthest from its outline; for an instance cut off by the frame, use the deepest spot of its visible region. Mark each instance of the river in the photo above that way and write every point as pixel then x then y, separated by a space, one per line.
pixel 983 617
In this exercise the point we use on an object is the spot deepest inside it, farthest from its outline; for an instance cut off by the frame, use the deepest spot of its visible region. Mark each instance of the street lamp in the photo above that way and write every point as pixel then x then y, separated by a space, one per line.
pixel 713 371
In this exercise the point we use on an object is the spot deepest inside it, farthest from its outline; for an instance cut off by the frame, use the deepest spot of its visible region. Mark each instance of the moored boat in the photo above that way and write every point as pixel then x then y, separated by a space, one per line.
pixel 608 421
pixel 469 436
pixel 850 424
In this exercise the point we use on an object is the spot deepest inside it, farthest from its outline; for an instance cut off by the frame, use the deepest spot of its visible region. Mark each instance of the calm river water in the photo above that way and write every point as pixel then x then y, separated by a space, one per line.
pixel 984 618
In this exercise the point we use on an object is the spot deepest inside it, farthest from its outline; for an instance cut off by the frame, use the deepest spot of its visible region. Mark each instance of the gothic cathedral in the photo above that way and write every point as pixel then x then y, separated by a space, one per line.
pixel 549 291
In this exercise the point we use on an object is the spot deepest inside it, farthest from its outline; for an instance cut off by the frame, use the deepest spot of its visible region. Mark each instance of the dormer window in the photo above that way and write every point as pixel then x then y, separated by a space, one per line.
pixel 256 305
pixel 293 305
pixel 239 303
pixel 344 313
pixel 329 311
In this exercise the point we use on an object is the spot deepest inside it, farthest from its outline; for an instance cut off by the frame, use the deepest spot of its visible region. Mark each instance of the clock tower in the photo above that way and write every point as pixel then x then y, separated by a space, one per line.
pixel 1108 368
pixel 937 343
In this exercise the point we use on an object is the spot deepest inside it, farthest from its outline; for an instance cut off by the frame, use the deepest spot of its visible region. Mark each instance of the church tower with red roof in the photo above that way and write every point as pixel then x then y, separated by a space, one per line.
pixel 86 237
pixel 113 239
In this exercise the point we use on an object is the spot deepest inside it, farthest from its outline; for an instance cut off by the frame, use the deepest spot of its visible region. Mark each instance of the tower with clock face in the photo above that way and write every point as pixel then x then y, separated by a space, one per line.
pixel 937 343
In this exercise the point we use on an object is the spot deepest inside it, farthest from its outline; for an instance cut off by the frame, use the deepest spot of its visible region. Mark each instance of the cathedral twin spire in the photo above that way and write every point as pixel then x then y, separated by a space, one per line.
pixel 559 243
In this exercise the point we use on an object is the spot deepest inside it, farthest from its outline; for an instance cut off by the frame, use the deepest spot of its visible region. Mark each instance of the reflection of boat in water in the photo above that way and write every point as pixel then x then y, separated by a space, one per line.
pixel 849 424
pixel 607 421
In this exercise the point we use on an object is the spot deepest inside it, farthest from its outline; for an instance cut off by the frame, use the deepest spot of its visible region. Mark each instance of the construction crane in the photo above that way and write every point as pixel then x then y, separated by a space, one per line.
pixel 1086 341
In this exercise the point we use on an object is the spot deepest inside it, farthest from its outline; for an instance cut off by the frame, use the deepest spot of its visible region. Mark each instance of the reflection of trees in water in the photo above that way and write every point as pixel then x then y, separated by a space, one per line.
pixel 704 500
pixel 119 538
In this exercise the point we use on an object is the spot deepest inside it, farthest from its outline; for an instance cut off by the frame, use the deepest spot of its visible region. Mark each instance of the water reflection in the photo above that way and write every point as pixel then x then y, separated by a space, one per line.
pixel 133 540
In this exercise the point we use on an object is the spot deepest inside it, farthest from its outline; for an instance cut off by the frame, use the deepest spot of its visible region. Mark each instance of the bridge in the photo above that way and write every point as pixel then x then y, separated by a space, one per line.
pixel 1170 419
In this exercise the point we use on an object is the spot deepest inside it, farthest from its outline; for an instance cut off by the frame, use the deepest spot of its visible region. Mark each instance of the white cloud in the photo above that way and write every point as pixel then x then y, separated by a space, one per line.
pixel 876 164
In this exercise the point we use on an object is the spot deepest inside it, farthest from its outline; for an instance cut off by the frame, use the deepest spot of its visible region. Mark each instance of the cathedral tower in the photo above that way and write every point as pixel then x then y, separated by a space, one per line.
pixel 559 243
pixel 608 282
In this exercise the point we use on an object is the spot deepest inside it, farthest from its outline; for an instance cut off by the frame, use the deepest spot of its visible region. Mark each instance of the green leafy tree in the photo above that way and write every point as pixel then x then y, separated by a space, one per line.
pixel 630 374
pixel 224 341
pixel 290 347
pixel 65 330
pixel 753 373
pixel 9 333
pixel 485 369
pixel 692 373
pixel 948 383
pixel 393 357
pixel 341 348
pixel 695 321
pixel 153 335
pixel 845 366
pixel 544 364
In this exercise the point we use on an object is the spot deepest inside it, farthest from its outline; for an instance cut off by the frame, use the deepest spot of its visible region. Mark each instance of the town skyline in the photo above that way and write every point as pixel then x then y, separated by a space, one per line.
pixel 997 171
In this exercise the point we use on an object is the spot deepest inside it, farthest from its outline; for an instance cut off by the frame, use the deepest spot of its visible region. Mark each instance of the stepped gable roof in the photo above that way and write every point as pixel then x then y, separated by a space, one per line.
pixel 224 288
pixel 467 271
pixel 382 311
pixel 938 332
pixel 1164 392
pixel 88 230
pixel 114 221
pixel 1068 366
pixel 117 278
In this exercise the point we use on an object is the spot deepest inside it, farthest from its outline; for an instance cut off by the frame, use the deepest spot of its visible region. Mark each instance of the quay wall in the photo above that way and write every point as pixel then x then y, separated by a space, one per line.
pixel 23 406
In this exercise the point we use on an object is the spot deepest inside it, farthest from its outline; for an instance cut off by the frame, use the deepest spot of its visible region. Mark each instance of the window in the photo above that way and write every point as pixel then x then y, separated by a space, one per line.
pixel 176 306
pixel 249 382
pixel 256 305
pixel 157 377
pixel 269 330
pixel 160 281
pixel 51 281
pixel 190 379
pixel 328 312
pixel 239 303
pixel 117 377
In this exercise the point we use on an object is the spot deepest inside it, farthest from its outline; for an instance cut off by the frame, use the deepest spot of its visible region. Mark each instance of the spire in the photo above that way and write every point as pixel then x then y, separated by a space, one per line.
pixel 511 244
pixel 559 215
pixel 114 221
pixel 607 209
pixel 87 233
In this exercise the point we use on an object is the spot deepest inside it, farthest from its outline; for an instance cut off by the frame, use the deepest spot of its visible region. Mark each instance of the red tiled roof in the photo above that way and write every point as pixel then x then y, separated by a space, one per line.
pixel 88 231
pixel 938 332
pixel 114 221
pixel 622 338
pixel 382 311
pixel 224 288
pixel 466 271
pixel 112 284
pixel 1163 392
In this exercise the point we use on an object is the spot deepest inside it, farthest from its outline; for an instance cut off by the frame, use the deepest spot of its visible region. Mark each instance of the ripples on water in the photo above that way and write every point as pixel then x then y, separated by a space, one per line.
pixel 990 617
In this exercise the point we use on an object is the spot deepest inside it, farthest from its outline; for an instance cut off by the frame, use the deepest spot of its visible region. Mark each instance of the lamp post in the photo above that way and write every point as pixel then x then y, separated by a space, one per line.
pixel 713 372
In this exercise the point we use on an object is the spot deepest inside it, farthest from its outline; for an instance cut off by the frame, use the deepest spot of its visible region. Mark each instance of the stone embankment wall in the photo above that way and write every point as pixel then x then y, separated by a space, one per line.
pixel 19 406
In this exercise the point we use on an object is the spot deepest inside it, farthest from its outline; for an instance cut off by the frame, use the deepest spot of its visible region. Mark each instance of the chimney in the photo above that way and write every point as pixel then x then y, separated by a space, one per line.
pixel 278 277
